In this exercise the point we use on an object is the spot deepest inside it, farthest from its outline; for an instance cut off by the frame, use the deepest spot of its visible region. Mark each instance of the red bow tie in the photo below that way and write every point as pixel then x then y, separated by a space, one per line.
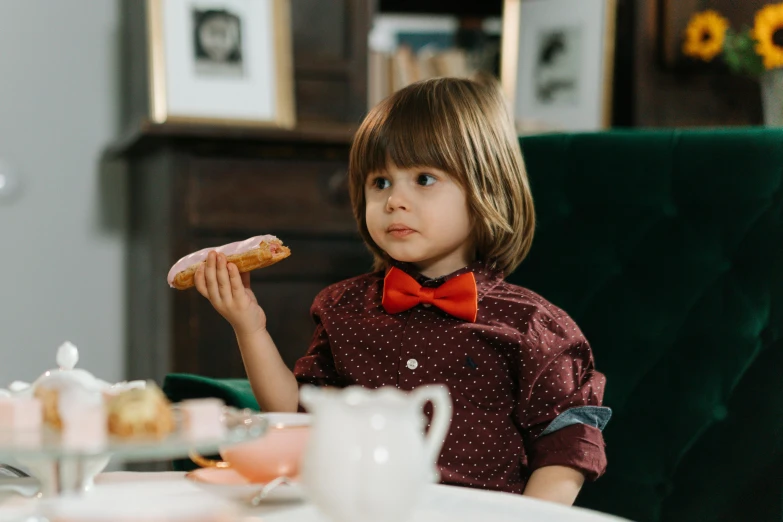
pixel 457 296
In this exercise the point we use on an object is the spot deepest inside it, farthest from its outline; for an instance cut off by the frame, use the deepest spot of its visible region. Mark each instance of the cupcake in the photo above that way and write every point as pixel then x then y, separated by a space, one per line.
pixel 140 412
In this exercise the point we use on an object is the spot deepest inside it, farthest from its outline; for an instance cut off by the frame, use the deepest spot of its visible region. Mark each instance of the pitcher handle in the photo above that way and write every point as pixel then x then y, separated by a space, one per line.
pixel 441 418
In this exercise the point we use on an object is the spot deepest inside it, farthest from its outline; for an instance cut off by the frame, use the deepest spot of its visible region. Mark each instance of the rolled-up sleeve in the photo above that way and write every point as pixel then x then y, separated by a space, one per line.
pixel 560 409
pixel 578 446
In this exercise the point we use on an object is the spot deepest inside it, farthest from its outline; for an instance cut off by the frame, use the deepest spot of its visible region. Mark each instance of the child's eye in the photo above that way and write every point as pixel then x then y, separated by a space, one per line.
pixel 380 183
pixel 426 180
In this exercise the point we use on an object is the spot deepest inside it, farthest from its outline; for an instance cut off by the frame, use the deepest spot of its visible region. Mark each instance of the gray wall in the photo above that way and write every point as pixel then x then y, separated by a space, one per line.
pixel 62 237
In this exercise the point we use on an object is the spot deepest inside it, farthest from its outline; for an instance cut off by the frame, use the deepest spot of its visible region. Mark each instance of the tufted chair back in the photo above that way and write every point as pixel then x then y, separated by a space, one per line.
pixel 667 249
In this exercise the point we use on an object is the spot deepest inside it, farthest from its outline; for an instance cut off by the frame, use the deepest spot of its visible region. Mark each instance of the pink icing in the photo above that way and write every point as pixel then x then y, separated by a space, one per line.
pixel 239 247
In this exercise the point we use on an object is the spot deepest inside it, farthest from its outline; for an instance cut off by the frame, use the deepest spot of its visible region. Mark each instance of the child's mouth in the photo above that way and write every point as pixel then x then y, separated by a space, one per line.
pixel 401 232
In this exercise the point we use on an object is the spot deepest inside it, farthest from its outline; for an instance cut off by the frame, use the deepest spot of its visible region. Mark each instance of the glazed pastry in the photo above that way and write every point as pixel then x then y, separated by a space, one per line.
pixel 140 412
pixel 247 255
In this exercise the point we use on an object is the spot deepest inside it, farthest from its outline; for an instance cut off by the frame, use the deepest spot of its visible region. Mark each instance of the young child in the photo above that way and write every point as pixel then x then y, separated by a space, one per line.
pixel 441 197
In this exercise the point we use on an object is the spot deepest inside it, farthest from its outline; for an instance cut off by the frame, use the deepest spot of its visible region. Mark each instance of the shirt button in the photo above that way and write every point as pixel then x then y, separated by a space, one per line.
pixel 413 364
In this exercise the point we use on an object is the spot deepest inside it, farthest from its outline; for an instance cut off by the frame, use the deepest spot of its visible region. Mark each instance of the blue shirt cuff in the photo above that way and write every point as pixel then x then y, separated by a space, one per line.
pixel 595 416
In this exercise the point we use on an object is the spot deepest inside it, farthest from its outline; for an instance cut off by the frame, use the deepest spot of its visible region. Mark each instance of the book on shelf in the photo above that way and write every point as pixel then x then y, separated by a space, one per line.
pixel 391 71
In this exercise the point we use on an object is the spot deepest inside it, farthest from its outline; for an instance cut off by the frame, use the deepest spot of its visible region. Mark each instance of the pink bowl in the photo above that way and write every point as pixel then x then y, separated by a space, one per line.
pixel 277 453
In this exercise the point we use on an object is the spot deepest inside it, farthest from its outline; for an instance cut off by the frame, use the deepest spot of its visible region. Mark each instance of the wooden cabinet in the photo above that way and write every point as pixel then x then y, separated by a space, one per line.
pixel 194 187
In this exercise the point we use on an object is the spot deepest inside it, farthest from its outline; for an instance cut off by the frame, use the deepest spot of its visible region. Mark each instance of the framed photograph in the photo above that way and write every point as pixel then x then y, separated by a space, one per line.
pixel 220 62
pixel 557 63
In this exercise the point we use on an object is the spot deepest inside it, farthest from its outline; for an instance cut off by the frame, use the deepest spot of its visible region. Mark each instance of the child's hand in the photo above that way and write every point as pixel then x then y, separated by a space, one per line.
pixel 230 294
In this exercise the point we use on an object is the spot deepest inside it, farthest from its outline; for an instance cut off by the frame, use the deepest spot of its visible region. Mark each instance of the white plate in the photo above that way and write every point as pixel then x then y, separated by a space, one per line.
pixel 229 484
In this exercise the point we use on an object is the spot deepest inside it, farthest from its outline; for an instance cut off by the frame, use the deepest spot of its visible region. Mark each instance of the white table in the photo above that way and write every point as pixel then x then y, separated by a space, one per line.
pixel 121 496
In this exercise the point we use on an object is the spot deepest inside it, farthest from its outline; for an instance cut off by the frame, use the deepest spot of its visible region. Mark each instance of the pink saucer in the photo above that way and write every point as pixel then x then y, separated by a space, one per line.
pixel 230 484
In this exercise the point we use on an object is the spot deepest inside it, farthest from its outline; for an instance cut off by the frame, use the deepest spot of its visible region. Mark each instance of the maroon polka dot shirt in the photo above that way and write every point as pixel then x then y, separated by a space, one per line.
pixel 521 378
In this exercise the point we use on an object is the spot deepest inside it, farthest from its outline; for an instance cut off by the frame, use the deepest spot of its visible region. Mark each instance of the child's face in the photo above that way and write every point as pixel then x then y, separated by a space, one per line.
pixel 420 216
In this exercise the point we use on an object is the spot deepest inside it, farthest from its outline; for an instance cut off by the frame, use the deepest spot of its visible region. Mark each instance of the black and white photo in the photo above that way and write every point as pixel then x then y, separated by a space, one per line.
pixel 557 63
pixel 217 42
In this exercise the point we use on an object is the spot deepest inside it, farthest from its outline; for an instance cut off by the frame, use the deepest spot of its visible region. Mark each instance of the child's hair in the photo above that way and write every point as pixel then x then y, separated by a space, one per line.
pixel 462 127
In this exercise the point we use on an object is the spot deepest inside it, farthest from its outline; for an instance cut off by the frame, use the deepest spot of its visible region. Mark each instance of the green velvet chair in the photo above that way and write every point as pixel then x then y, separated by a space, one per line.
pixel 667 249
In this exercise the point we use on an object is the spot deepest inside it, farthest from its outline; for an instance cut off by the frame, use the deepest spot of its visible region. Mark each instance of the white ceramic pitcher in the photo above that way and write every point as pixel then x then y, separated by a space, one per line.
pixel 368 458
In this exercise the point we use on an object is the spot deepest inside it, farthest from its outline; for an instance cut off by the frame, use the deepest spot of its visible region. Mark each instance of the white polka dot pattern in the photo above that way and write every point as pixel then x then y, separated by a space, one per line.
pixel 522 363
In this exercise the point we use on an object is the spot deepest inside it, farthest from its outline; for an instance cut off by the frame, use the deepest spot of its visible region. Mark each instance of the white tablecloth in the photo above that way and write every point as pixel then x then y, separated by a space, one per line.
pixel 121 496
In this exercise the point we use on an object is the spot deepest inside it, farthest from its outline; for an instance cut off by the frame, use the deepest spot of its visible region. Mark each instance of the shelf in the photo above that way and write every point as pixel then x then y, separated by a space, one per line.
pixel 148 134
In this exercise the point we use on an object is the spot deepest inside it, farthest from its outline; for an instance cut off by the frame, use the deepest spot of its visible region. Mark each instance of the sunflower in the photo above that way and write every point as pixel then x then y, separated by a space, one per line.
pixel 768 33
pixel 704 35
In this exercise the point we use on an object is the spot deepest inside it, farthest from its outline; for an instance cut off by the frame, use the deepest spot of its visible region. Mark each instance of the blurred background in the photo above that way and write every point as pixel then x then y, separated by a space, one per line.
pixel 69 73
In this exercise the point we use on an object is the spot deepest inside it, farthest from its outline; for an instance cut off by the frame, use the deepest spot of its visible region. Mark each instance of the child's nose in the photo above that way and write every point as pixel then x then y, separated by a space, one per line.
pixel 396 200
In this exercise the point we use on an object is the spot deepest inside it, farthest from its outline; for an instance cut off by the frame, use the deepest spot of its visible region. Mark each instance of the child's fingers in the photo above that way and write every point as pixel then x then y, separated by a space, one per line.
pixel 245 279
pixel 212 285
pixel 237 288
pixel 224 284
pixel 201 284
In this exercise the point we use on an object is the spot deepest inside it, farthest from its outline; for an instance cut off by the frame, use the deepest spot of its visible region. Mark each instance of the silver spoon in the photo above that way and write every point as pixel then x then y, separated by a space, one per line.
pixel 6 470
pixel 267 489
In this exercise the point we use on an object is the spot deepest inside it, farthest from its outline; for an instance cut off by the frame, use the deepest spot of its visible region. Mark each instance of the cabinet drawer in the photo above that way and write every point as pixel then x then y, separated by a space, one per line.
pixel 261 195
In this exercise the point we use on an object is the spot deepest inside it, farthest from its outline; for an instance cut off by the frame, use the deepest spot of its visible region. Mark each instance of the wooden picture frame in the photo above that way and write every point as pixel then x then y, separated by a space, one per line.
pixel 223 62
pixel 557 63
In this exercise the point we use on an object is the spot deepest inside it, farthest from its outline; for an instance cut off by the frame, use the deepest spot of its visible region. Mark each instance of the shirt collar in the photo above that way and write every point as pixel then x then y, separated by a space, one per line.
pixel 486 276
